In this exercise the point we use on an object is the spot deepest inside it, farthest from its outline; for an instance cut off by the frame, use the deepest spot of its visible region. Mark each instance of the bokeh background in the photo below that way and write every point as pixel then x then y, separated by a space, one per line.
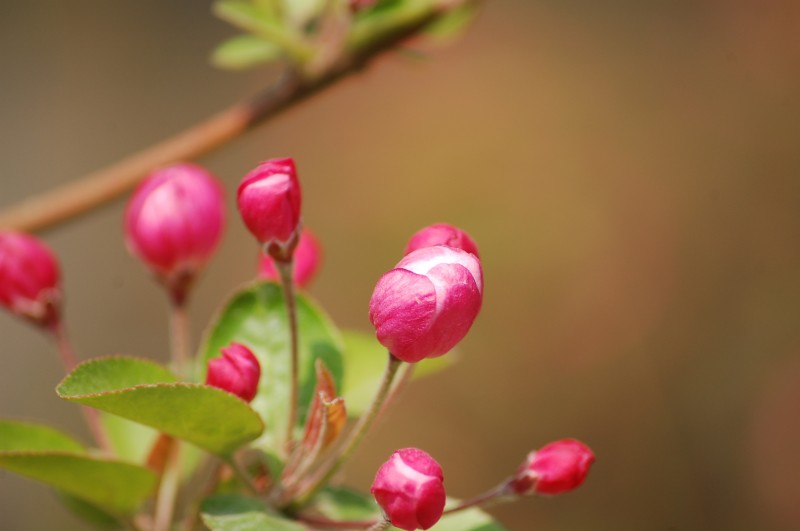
pixel 629 169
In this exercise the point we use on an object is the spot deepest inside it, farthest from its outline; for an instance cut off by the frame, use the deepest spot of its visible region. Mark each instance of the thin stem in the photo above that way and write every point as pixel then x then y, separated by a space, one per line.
pixel 285 270
pixel 242 474
pixel 92 416
pixel 489 497
pixel 326 472
pixel 168 489
pixel 380 525
pixel 179 337
pixel 90 191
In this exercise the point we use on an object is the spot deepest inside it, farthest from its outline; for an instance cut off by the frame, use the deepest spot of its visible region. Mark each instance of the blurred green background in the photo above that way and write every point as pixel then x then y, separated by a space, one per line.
pixel 629 170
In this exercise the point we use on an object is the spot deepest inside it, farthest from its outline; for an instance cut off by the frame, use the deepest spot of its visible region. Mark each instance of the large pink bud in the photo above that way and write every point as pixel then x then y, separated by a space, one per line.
pixel 269 201
pixel 174 221
pixel 237 372
pixel 409 487
pixel 306 261
pixel 558 467
pixel 425 305
pixel 442 234
pixel 29 278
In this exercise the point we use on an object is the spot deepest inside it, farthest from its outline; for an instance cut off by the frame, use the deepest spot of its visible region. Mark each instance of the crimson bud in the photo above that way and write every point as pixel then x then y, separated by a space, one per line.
pixel 425 305
pixel 29 278
pixel 173 223
pixel 442 234
pixel 558 467
pixel 306 261
pixel 237 372
pixel 269 201
pixel 409 487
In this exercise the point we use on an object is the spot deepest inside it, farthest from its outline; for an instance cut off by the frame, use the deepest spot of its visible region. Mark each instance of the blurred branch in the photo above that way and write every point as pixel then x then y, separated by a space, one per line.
pixel 97 188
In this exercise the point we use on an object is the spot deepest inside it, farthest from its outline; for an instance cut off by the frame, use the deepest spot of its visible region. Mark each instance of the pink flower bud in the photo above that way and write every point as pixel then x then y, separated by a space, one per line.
pixel 442 234
pixel 409 487
pixel 174 221
pixel 427 304
pixel 237 372
pixel 306 259
pixel 556 468
pixel 269 202
pixel 29 278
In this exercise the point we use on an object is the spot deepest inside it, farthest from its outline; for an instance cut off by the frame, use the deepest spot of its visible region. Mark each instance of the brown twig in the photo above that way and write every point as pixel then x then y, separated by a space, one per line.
pixel 93 190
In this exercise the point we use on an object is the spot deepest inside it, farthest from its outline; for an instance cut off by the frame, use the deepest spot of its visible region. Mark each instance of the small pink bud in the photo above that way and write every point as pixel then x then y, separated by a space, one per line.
pixel 442 234
pixel 174 221
pixel 269 201
pixel 425 305
pixel 237 372
pixel 558 467
pixel 29 278
pixel 306 261
pixel 409 487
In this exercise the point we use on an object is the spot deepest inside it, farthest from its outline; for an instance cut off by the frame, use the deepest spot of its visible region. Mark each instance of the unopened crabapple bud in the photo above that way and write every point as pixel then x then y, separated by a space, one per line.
pixel 306 261
pixel 237 372
pixel 558 467
pixel 442 234
pixel 409 487
pixel 173 223
pixel 269 201
pixel 425 305
pixel 29 278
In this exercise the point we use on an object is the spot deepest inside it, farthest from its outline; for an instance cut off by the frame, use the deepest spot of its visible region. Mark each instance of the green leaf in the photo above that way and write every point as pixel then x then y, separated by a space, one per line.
pixel 240 513
pixel 129 440
pixel 348 504
pixel 256 317
pixel 453 23
pixel 18 436
pixel 90 512
pixel 365 362
pixel 299 12
pixel 136 390
pixel 244 51
pixel 54 458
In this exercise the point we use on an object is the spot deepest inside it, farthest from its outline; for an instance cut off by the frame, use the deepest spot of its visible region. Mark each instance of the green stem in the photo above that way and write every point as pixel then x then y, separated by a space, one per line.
pixel 285 271
pixel 242 474
pixel 92 416
pixel 326 472
pixel 497 494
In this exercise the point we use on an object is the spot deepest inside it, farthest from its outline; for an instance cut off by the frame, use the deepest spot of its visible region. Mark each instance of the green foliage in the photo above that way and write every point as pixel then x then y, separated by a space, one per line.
pixel 245 51
pixel 365 362
pixel 241 513
pixel 256 317
pixel 54 458
pixel 135 389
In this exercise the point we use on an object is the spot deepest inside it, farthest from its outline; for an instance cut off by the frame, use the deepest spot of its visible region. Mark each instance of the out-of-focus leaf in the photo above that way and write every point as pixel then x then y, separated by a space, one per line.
pixel 90 512
pixel 300 12
pixel 256 317
pixel 54 458
pixel 136 389
pixel 365 361
pixel 347 504
pixel 244 51
pixel 129 440
pixel 452 24
pixel 240 513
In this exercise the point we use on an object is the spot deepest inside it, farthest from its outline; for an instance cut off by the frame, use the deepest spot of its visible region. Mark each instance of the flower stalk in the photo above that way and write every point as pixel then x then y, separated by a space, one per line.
pixel 285 272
